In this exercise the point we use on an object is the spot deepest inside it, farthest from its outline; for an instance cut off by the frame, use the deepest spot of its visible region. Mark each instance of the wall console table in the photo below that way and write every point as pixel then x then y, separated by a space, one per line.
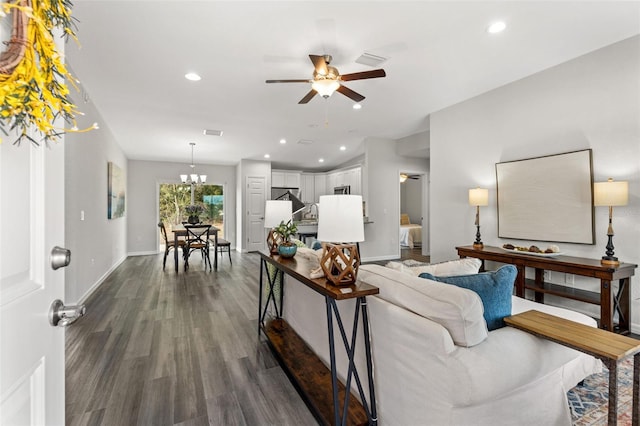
pixel 610 302
pixel 329 400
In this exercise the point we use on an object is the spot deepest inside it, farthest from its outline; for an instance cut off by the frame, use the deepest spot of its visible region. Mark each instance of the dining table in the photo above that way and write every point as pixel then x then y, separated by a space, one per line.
pixel 181 231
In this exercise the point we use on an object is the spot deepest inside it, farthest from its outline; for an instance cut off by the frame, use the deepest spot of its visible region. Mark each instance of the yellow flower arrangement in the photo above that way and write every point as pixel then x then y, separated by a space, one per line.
pixel 33 76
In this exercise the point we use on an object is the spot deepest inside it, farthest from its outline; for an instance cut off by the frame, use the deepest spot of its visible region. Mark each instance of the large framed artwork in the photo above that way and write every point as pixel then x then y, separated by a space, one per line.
pixel 115 192
pixel 547 198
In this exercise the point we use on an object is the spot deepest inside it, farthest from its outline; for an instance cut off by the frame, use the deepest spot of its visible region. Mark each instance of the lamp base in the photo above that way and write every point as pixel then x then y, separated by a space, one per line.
pixel 478 246
pixel 273 241
pixel 340 263
pixel 610 261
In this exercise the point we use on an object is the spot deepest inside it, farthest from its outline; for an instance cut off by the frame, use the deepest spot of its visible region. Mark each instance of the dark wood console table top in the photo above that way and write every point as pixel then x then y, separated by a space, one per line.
pixel 609 301
pixel 318 385
pixel 609 347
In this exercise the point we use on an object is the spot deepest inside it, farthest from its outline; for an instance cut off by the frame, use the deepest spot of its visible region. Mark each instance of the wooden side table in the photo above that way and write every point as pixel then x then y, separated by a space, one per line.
pixel 609 347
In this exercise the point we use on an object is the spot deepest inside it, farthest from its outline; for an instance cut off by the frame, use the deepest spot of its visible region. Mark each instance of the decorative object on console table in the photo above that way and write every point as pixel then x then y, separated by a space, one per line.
pixel 340 225
pixel 275 212
pixel 610 194
pixel 286 230
pixel 478 197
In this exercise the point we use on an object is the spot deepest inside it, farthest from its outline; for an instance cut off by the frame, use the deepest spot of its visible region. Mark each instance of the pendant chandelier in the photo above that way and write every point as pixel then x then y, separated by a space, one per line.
pixel 193 178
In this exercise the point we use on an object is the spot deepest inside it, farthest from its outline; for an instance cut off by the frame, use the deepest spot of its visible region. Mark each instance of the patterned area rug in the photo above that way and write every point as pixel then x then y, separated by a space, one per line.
pixel 589 402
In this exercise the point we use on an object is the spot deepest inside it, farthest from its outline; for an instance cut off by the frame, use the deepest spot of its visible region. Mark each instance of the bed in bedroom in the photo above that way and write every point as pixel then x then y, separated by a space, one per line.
pixel 410 234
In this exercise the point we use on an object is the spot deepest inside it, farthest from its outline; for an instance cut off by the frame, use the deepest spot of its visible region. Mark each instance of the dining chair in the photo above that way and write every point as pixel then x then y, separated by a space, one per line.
pixel 169 244
pixel 224 246
pixel 197 239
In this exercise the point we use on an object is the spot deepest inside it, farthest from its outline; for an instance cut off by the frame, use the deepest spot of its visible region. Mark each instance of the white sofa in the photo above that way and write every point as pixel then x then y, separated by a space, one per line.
pixel 434 361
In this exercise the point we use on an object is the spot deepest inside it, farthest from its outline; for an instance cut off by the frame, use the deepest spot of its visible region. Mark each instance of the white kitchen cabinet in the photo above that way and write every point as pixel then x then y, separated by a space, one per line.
pixel 277 179
pixel 285 179
pixel 331 182
pixel 320 186
pixel 307 187
pixel 292 180
pixel 355 180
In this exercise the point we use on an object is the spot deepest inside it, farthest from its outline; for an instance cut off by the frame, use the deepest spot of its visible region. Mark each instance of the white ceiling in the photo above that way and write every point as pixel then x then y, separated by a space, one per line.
pixel 134 55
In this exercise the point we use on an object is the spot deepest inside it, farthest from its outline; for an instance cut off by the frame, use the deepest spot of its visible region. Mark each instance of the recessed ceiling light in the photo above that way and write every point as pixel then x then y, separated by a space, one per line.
pixel 192 76
pixel 321 160
pixel 496 27
pixel 343 148
pixel 283 141
pixel 267 156
pixel 357 106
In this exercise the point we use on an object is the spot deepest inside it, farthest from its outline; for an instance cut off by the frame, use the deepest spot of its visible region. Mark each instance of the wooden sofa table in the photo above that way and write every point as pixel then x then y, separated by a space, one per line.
pixel 610 302
pixel 609 347
pixel 331 401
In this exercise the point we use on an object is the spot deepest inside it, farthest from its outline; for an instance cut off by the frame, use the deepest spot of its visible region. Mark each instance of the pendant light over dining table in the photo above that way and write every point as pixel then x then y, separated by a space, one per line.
pixel 193 178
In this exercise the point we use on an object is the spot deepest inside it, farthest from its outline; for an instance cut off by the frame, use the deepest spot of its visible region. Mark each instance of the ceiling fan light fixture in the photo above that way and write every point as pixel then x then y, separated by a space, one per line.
pixel 325 87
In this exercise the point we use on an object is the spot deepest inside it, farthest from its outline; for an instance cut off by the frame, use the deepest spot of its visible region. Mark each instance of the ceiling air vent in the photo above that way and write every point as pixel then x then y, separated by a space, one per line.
pixel 371 59
pixel 213 132
pixel 305 142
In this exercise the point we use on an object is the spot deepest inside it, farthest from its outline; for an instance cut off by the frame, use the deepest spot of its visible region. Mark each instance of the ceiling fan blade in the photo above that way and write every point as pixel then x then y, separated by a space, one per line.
pixel 320 64
pixel 363 75
pixel 357 97
pixel 288 81
pixel 308 97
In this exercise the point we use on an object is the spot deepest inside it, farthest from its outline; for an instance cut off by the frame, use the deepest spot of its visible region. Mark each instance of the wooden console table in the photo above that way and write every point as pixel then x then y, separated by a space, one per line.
pixel 608 347
pixel 609 302
pixel 329 400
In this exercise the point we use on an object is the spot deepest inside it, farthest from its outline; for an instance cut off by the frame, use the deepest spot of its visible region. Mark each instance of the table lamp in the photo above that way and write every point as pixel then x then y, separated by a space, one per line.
pixel 275 211
pixel 478 197
pixel 340 225
pixel 610 194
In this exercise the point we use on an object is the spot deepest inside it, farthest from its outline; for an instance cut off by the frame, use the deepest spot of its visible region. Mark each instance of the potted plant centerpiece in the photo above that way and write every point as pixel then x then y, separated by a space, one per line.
pixel 286 230
pixel 194 211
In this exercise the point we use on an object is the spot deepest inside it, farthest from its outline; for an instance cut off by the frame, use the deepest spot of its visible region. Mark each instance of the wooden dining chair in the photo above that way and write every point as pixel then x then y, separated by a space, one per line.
pixel 224 245
pixel 197 239
pixel 169 244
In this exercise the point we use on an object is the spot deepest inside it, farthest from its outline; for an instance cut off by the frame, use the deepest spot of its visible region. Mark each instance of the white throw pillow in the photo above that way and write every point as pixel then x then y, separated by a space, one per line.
pixel 458 310
pixel 465 266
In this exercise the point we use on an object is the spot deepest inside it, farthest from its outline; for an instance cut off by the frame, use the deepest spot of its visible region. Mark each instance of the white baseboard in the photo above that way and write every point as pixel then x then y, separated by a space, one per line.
pixel 142 253
pixel 379 258
pixel 104 276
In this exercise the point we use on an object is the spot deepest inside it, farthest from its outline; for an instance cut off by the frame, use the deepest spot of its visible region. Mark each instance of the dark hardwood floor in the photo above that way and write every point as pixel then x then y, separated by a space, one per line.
pixel 160 348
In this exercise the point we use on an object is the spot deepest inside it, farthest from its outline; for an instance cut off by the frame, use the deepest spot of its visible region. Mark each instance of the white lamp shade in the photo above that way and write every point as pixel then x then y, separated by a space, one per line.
pixel 276 211
pixel 340 219
pixel 610 193
pixel 183 178
pixel 203 178
pixel 479 197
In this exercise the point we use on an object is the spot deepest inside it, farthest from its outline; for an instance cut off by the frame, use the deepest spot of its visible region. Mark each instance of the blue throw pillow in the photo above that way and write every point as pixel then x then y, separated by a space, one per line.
pixel 494 288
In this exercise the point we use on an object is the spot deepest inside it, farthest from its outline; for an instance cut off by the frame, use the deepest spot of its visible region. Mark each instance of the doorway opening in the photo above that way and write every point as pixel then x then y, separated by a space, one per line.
pixel 413 237
pixel 174 197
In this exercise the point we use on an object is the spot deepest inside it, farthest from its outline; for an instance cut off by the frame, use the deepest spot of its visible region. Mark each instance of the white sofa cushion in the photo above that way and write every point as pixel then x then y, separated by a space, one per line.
pixel 458 310
pixel 465 266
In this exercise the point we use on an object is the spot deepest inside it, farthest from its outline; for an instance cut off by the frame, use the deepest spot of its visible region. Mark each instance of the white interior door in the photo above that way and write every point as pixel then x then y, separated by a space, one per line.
pixel 256 198
pixel 31 224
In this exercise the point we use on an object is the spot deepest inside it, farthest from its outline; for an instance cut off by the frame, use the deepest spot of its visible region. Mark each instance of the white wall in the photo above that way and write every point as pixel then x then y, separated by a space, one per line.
pixel 98 245
pixel 590 102
pixel 145 178
pixel 382 193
